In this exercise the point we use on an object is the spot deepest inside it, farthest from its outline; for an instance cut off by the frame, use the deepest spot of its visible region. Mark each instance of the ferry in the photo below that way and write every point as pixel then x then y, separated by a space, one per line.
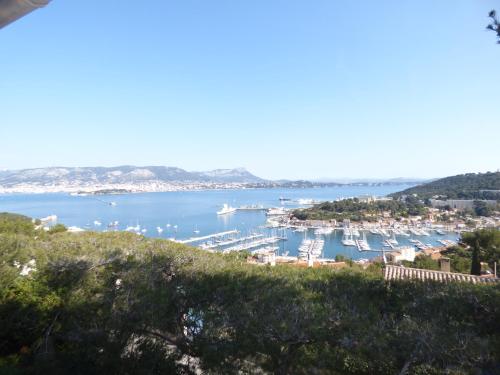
pixel 226 209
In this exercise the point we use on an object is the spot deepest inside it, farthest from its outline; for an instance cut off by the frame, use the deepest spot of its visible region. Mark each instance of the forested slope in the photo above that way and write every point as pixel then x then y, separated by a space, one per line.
pixel 464 186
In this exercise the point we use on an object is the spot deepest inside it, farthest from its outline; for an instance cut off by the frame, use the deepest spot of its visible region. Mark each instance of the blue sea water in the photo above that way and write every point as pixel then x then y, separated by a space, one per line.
pixel 196 210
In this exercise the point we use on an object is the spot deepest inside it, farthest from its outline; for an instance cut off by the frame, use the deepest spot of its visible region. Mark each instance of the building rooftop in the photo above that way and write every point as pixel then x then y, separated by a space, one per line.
pixel 403 273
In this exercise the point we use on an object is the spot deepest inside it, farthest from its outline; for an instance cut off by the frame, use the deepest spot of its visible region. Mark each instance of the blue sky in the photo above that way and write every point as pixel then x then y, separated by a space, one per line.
pixel 285 88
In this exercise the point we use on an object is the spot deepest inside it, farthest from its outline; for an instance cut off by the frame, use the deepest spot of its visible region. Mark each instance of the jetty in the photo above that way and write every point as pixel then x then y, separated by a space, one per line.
pixel 231 241
pixel 253 244
pixel 208 237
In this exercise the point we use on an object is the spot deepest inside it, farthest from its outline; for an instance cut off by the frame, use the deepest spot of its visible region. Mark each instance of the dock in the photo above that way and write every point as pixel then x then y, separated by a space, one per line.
pixel 232 241
pixel 208 237
pixel 253 244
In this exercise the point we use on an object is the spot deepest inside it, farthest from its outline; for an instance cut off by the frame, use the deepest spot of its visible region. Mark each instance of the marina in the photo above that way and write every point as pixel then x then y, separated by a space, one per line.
pixel 192 218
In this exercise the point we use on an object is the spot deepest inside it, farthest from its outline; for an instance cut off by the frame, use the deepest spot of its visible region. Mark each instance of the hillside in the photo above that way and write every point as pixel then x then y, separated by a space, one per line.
pixel 121 303
pixel 465 186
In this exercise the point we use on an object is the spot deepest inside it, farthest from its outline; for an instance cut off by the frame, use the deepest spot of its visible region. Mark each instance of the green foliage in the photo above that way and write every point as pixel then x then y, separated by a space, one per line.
pixel 355 210
pixel 58 228
pixel 13 223
pixel 460 258
pixel 482 209
pixel 485 247
pixel 465 186
pixel 423 262
pixel 121 303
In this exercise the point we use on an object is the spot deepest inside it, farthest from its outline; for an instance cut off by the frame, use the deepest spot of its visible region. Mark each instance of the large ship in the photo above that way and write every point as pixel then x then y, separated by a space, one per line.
pixel 226 209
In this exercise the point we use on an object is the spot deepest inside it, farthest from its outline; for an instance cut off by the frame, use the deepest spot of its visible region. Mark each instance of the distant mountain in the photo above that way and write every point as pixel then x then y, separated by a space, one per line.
pixel 152 178
pixel 464 186
pixel 230 175
pixel 120 175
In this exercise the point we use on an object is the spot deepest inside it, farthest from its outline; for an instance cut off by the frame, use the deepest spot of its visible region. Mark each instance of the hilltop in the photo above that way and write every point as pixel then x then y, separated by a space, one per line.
pixel 464 186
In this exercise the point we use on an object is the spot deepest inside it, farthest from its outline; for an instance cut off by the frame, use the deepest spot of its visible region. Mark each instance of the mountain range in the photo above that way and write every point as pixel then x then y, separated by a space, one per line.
pixel 155 178
pixel 121 175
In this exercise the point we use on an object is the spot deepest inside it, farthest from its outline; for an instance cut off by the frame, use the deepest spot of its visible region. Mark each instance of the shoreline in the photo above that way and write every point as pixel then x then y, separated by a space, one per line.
pixel 134 189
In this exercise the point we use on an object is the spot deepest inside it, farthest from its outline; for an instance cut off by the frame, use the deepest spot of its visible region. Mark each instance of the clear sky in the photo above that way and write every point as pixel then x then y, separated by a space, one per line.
pixel 285 88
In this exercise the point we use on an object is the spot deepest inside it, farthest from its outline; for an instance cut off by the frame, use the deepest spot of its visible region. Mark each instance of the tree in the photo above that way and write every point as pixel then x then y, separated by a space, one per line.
pixel 494 25
pixel 485 246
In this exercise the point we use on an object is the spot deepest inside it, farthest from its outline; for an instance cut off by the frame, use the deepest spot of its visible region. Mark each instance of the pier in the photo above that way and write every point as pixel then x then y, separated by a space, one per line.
pixel 253 244
pixel 210 236
pixel 231 241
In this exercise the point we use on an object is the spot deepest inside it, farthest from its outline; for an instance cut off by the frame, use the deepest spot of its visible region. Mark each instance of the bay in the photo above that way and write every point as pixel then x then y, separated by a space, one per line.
pixel 196 210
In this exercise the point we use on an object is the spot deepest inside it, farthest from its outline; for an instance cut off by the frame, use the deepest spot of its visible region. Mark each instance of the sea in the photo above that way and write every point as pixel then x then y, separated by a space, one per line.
pixel 185 214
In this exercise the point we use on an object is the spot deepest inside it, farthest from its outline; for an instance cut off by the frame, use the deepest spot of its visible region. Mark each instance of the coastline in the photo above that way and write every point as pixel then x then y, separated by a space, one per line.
pixel 162 187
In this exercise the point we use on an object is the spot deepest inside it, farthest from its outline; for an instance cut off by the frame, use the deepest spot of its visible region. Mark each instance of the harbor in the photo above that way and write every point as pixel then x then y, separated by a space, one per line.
pixel 252 220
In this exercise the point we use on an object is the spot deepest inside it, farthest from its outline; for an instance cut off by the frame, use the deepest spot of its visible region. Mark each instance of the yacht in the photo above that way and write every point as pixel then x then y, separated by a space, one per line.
pixel 393 240
pixel 159 230
pixel 226 209
pixel 300 229
pixel 323 231
pixel 348 241
pixel 363 244
pixel 384 233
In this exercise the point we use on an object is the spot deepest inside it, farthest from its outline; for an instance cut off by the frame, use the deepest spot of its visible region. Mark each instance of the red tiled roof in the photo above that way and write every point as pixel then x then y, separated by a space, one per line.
pixel 403 273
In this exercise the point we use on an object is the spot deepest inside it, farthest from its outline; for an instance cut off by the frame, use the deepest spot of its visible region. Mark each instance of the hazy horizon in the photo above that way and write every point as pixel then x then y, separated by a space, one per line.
pixel 290 90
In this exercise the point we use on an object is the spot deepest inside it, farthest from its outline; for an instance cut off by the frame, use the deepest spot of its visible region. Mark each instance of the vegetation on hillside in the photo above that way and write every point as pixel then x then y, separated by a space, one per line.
pixel 355 210
pixel 465 186
pixel 484 246
pixel 121 303
pixel 476 248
